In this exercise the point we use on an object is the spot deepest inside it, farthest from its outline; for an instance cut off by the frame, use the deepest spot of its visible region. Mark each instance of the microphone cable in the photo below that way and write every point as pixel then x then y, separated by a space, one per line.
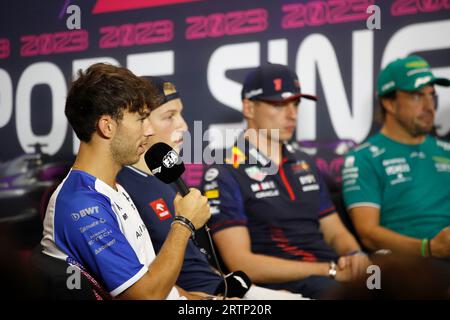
pixel 216 261
pixel 166 165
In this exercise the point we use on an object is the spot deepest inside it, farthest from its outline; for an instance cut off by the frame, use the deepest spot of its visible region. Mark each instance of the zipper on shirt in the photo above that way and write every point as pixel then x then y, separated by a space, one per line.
pixel 285 180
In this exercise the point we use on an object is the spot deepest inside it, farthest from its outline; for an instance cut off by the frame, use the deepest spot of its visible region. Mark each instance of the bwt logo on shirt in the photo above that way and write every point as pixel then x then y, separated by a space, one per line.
pixel 83 213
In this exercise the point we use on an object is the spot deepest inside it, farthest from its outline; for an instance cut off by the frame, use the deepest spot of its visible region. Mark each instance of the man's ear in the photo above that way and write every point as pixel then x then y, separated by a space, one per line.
pixel 106 126
pixel 389 105
pixel 248 109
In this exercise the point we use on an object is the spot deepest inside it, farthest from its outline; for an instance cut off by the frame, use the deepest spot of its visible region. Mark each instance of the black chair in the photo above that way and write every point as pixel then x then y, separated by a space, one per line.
pixel 338 201
pixel 54 273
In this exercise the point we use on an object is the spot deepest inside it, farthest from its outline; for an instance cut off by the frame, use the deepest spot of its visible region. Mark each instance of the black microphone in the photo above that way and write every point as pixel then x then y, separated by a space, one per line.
pixel 238 285
pixel 167 166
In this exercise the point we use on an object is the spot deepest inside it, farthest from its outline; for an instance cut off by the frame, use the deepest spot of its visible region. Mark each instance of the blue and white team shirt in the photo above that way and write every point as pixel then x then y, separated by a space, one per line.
pixel 100 228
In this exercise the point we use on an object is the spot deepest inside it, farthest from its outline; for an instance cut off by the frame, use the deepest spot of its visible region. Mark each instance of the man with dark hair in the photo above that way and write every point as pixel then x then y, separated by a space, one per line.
pixel 91 221
pixel 272 216
pixel 105 90
pixel 396 185
pixel 153 198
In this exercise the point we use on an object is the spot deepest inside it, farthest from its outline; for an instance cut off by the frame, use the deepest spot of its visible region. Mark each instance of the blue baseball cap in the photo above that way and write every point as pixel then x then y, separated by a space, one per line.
pixel 273 83
pixel 165 90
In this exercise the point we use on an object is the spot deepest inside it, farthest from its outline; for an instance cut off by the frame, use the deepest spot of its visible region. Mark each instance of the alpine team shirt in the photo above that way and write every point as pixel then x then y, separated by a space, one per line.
pixel 154 201
pixel 99 228
pixel 410 184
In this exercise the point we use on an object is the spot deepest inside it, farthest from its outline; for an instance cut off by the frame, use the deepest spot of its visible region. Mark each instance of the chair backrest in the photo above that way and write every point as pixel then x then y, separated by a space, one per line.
pixel 329 157
pixel 57 276
pixel 338 201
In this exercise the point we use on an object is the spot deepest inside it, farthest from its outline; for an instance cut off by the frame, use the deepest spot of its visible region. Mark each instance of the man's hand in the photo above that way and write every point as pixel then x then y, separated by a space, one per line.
pixel 343 271
pixel 440 244
pixel 194 207
pixel 352 267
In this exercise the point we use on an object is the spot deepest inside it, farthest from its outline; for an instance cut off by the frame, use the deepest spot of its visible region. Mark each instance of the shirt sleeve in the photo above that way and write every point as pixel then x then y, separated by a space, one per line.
pixel 87 230
pixel 224 197
pixel 361 185
pixel 326 204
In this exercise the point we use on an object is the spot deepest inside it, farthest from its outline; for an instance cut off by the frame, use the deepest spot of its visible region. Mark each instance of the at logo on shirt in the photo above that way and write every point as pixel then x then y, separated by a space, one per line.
pixel 161 209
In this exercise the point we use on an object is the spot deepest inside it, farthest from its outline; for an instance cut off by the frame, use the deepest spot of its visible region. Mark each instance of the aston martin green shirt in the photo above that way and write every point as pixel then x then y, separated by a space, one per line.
pixel 410 184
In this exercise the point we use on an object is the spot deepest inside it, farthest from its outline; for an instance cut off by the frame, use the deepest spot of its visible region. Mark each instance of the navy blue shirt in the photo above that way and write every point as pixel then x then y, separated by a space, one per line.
pixel 154 201
pixel 281 211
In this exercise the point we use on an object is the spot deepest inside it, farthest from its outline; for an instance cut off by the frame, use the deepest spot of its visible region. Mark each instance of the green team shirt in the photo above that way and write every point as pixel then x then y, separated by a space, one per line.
pixel 410 184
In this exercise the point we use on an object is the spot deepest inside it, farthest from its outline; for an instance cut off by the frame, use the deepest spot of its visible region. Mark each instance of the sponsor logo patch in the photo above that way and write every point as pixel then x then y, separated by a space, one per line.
pixel 308 179
pixel 442 167
pixel 267 194
pixel 309 183
pixel 349 162
pixel 301 166
pixel 255 173
pixel 160 208
pixel 397 169
pixel 444 145
pixel 421 81
pixel 376 151
pixel 212 194
pixel 84 213
pixel 237 157
pixel 263 186
pixel 311 187
pixel 210 186
pixel 214 210
pixel 211 174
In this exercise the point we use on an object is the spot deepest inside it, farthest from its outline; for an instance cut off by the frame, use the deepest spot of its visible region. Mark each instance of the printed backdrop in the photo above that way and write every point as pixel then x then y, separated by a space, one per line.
pixel 206 47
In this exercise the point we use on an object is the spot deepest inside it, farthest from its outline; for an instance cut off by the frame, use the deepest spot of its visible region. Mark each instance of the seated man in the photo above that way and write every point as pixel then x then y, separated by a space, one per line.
pixel 91 221
pixel 153 198
pixel 396 185
pixel 271 213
